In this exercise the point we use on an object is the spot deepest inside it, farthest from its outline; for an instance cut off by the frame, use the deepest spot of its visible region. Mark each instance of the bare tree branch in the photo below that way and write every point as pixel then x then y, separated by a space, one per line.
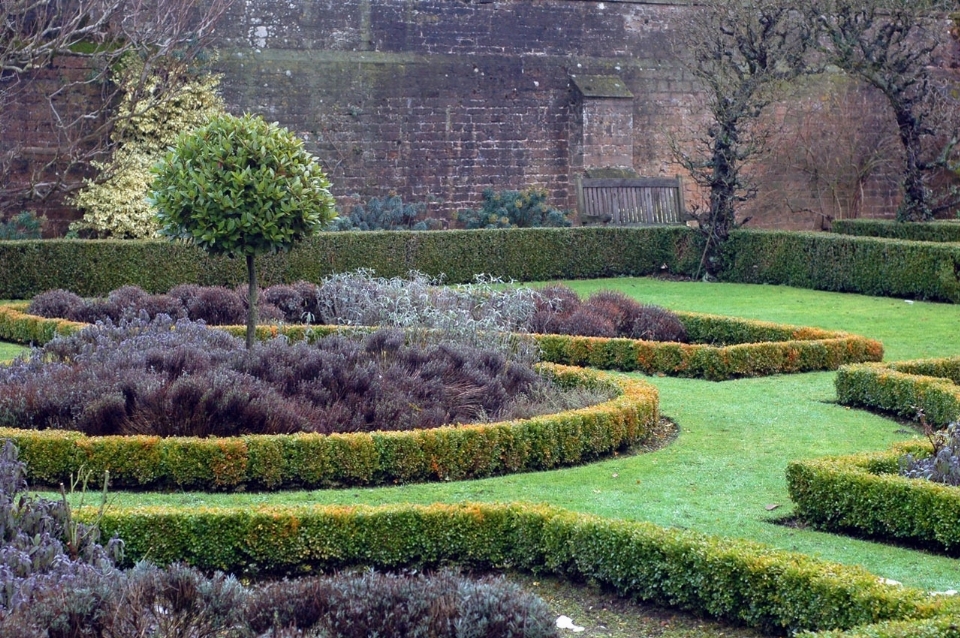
pixel 894 46
pixel 59 62
pixel 741 52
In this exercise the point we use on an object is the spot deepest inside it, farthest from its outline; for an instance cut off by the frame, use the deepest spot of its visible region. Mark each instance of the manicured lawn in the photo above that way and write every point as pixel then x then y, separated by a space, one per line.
pixel 725 472
pixel 10 350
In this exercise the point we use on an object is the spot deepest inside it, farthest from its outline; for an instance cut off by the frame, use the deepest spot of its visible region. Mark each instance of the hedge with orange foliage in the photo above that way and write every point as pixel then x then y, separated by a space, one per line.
pixel 363 458
pixel 777 591
pixel 721 347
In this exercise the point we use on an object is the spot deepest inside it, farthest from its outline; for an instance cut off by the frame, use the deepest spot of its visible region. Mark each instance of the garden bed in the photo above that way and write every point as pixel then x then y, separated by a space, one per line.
pixel 721 348
pixel 777 591
pixel 905 388
pixel 864 493
pixel 364 458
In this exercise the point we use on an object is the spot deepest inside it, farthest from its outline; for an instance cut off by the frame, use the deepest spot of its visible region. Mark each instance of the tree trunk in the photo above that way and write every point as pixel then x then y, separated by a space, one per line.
pixel 252 301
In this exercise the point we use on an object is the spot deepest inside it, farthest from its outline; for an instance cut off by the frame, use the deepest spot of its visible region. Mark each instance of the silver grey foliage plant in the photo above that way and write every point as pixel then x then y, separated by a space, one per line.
pixel 484 314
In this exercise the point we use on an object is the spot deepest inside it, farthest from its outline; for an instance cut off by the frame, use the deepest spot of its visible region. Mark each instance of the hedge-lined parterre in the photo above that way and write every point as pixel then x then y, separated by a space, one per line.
pixel 378 458
pixel 905 388
pixel 723 348
pixel 864 493
pixel 741 581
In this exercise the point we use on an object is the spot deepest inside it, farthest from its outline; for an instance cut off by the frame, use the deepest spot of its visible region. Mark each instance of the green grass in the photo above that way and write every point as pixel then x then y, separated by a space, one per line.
pixel 727 466
pixel 10 350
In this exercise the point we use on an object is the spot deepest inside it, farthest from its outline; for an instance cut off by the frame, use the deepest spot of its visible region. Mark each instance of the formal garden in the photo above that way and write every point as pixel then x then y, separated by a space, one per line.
pixel 229 408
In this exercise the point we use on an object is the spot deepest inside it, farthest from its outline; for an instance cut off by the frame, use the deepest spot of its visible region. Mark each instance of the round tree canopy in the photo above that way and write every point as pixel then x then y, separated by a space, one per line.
pixel 241 186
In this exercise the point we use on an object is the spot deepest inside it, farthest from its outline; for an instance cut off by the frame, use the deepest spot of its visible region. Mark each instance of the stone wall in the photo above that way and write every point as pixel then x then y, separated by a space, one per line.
pixel 437 100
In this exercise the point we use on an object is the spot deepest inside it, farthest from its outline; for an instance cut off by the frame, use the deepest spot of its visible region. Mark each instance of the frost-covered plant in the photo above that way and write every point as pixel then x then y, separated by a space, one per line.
pixel 481 314
pixel 386 213
pixel 943 465
pixel 115 204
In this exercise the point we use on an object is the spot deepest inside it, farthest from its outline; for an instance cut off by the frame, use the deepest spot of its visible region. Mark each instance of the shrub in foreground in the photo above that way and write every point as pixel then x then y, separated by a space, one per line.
pixel 56 580
pixel 741 581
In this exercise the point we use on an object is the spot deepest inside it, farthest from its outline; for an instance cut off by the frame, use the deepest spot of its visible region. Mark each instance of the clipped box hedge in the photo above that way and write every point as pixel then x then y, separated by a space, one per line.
pixel 723 348
pixel 940 231
pixel 904 387
pixel 95 267
pixel 864 493
pixel 737 580
pixel 270 462
pixel 822 261
pixel 828 261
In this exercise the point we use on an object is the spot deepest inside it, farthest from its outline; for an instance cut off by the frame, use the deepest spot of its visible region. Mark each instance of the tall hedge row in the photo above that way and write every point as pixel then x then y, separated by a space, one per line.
pixel 940 231
pixel 824 261
pixel 738 580
pixel 91 268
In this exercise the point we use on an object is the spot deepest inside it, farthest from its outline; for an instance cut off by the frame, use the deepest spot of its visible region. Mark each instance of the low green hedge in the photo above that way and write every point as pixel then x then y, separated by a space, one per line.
pixel 827 261
pixel 941 231
pixel 723 348
pixel 738 580
pixel 904 388
pixel 865 493
pixel 90 268
pixel 320 461
pixel 728 347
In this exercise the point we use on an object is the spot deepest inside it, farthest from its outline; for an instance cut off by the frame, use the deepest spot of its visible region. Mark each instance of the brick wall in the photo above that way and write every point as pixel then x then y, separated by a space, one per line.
pixel 437 100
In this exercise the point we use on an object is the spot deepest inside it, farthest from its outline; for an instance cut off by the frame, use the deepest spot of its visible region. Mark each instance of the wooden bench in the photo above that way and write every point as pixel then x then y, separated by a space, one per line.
pixel 637 200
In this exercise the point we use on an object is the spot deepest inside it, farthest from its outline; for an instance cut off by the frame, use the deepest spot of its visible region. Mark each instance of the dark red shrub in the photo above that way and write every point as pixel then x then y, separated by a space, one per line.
pixel 57 303
pixel 132 297
pixel 217 306
pixel 587 323
pixel 654 323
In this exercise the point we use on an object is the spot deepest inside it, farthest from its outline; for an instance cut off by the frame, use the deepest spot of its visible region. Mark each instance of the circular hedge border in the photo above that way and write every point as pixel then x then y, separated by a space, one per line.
pixel 271 462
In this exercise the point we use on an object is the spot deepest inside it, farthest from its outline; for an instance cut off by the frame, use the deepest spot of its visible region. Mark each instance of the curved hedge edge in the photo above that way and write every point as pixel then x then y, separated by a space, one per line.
pixel 771 349
pixel 803 349
pixel 884 387
pixel 18 327
pixel 865 493
pixel 321 461
pixel 737 580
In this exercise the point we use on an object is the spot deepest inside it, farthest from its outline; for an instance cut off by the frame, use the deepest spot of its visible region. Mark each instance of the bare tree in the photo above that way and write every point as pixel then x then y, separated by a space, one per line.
pixel 894 45
pixel 741 52
pixel 839 144
pixel 59 61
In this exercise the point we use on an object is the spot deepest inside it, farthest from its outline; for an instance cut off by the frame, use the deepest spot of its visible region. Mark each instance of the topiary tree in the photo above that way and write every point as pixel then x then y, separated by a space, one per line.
pixel 241 186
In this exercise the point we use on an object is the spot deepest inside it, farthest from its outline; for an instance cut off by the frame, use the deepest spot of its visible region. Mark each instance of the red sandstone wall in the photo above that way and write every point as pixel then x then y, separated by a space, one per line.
pixel 439 99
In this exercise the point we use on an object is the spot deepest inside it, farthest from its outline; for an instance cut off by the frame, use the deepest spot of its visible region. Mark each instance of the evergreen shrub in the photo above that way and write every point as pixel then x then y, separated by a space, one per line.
pixel 939 231
pixel 841 263
pixel 95 267
pixel 741 581
pixel 865 494
pixel 905 388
